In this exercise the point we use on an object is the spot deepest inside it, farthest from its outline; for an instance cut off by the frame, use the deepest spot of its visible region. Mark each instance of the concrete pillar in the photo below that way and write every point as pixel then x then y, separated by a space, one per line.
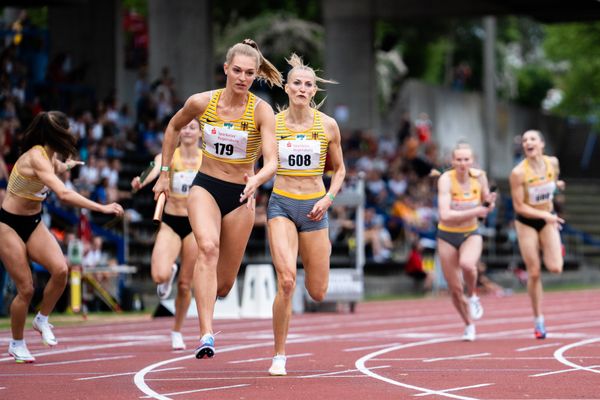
pixel 350 60
pixel 181 39
pixel 87 32
pixel 490 100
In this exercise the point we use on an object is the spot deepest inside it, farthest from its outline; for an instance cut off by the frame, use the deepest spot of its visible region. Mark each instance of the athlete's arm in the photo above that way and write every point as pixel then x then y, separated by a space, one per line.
pixel 136 182
pixel 193 107
pixel 517 192
pixel 334 151
pixel 447 214
pixel 43 169
pixel 265 120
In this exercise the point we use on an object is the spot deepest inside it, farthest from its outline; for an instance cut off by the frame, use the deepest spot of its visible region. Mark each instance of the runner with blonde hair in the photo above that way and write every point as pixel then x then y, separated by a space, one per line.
pixel 236 126
pixel 297 210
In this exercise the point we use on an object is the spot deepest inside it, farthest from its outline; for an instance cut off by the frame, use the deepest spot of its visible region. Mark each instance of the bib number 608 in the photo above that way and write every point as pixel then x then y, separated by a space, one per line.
pixel 299 160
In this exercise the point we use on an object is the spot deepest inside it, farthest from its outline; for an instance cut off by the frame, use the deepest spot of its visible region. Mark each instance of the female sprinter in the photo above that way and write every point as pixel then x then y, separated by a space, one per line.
pixel 297 210
pixel 532 185
pixel 22 235
pixel 462 197
pixel 175 237
pixel 236 127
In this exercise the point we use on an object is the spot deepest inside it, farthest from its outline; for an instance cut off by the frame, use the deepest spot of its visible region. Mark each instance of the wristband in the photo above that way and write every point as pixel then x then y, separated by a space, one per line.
pixel 331 196
pixel 68 166
pixel 165 168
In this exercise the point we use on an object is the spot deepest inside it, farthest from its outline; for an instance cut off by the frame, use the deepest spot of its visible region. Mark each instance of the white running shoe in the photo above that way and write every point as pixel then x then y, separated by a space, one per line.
pixel 163 290
pixel 475 308
pixel 20 353
pixel 45 329
pixel 177 342
pixel 469 334
pixel 278 366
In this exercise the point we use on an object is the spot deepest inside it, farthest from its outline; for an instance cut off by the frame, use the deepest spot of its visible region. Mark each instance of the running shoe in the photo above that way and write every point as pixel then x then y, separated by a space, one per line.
pixel 20 353
pixel 469 333
pixel 177 342
pixel 278 366
pixel 475 308
pixel 207 347
pixel 163 290
pixel 45 329
pixel 539 331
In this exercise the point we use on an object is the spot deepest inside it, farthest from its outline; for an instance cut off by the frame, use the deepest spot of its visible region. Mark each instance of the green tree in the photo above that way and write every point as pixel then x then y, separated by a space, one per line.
pixel 575 47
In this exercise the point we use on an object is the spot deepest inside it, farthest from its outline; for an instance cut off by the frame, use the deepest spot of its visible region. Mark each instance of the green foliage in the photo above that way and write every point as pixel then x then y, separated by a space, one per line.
pixel 576 46
pixel 140 6
pixel 533 84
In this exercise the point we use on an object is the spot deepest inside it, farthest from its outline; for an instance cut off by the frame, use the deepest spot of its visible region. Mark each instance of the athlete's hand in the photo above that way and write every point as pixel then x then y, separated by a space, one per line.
pixel 70 164
pixel 113 208
pixel 249 191
pixel 320 208
pixel 161 186
pixel 553 219
pixel 136 183
pixel 482 211
pixel 560 184
pixel 490 201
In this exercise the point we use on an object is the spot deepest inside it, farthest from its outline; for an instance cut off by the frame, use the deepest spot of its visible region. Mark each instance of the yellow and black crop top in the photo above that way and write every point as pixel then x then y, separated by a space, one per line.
pixel 237 141
pixel 463 199
pixel 27 187
pixel 301 153
pixel 539 189
pixel 182 176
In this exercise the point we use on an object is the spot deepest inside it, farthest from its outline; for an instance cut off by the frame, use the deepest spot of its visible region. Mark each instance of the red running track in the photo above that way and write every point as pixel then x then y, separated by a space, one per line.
pixel 387 350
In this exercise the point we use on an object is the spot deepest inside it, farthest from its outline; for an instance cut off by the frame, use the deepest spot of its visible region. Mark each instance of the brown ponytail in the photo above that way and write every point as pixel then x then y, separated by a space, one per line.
pixel 52 129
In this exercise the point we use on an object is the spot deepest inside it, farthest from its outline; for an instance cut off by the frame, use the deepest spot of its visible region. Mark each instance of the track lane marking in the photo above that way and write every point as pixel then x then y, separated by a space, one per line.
pixel 466 356
pixel 456 389
pixel 201 390
pixel 541 346
pixel 89 378
pixel 87 360
pixel 268 358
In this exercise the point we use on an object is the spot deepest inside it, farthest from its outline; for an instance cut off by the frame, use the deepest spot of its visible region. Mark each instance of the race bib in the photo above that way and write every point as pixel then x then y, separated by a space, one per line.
pixel 225 142
pixel 299 154
pixel 182 181
pixel 541 194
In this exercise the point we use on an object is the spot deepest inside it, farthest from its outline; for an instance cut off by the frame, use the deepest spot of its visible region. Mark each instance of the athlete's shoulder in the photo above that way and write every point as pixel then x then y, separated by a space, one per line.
pixel 328 122
pixel 199 101
pixel 476 173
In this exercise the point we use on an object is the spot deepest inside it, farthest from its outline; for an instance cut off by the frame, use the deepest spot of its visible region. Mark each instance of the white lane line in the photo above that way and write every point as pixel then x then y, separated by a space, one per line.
pixel 558 354
pixel 86 348
pixel 541 346
pixel 360 365
pixel 268 358
pixel 85 360
pixel 89 378
pixel 338 372
pixel 456 389
pixel 466 356
pixel 377 346
pixel 562 371
pixel 200 390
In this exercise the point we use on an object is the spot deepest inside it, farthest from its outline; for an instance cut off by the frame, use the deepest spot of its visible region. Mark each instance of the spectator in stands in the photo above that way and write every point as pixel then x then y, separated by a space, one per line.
pixel 237 126
pixel 463 197
pixel 377 236
pixel 175 238
pixel 532 185
pixel 415 269
pixel 297 211
pixel 23 237
pixel 423 128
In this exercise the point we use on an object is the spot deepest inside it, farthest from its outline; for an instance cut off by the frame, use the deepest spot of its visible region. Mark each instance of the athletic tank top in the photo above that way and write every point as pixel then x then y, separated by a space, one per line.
pixel 462 199
pixel 236 141
pixel 301 153
pixel 182 176
pixel 539 189
pixel 28 187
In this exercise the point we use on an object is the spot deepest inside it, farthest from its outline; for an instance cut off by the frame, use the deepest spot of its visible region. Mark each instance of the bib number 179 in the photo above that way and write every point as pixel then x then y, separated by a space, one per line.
pixel 223 149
